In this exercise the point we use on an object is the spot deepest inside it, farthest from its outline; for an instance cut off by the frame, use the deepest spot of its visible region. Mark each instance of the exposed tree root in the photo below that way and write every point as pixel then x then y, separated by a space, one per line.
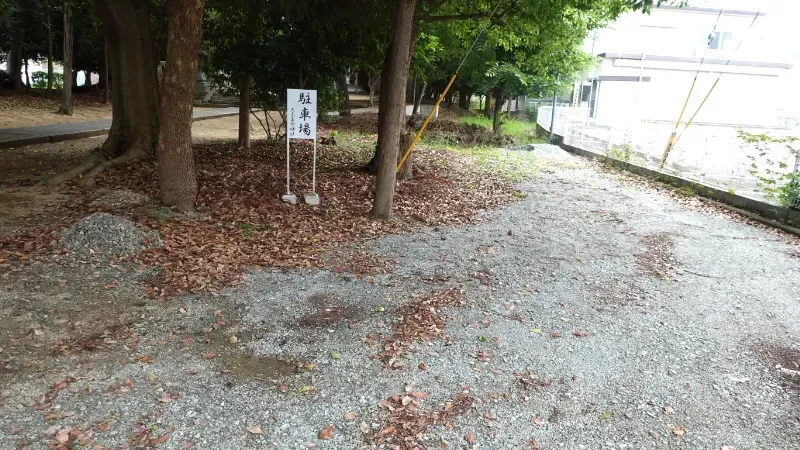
pixel 131 155
pixel 93 166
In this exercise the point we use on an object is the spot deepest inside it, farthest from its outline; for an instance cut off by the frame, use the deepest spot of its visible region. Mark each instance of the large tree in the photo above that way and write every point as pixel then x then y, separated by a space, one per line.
pixel 176 172
pixel 135 97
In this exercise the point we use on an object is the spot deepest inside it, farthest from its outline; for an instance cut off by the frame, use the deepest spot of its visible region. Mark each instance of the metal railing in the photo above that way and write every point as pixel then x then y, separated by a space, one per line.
pixel 714 156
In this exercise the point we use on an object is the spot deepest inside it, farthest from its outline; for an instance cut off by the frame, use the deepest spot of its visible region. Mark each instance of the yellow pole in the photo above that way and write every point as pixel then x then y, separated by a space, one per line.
pixel 697 111
pixel 425 123
pixel 671 140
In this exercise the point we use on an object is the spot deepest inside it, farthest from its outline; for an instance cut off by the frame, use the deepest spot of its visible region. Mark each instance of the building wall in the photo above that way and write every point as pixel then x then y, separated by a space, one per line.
pixel 665 49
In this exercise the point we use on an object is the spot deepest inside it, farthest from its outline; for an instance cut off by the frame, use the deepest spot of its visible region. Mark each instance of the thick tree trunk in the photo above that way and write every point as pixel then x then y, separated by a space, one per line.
pixel 244 111
pixel 394 89
pixel 15 60
pixel 134 100
pixel 418 100
pixel 132 66
pixel 66 92
pixel 176 171
pixel 49 58
pixel 105 72
pixel 341 83
pixel 498 109
pixel 488 104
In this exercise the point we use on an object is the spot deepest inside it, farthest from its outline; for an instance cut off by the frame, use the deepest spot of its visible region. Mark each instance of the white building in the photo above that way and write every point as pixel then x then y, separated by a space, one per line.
pixel 646 64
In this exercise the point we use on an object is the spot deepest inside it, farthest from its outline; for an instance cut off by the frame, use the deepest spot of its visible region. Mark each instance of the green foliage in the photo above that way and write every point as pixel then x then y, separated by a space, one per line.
pixel 774 177
pixel 523 132
pixel 39 80
pixel 621 152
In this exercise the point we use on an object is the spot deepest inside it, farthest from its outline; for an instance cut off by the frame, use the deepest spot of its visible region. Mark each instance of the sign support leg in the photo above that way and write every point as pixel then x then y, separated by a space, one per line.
pixel 313 198
pixel 289 197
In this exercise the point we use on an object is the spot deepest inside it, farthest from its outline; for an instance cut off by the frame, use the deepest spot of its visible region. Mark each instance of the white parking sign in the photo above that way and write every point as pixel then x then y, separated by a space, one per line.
pixel 301 113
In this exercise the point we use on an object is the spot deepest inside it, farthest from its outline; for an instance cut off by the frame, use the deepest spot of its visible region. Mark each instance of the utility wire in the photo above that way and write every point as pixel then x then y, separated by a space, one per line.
pixel 441 96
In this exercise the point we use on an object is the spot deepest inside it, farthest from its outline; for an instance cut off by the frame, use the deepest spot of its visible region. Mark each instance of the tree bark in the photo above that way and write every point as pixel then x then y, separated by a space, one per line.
pixel 418 101
pixel 244 111
pixel 66 92
pixel 15 60
pixel 49 58
pixel 134 100
pixel 464 99
pixel 341 82
pixel 176 171
pixel 498 109
pixel 394 89
pixel 105 71
pixel 405 171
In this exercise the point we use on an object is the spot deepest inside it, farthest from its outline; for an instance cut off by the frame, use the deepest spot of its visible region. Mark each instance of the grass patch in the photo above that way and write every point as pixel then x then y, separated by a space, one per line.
pixel 522 131
pixel 515 166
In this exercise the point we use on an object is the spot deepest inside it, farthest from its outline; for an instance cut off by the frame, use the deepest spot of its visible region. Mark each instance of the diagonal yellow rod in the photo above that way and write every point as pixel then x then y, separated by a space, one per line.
pixel 425 123
pixel 671 141
pixel 695 113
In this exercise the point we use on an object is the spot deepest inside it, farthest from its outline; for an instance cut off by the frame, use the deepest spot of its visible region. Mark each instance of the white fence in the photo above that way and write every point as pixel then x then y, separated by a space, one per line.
pixel 710 155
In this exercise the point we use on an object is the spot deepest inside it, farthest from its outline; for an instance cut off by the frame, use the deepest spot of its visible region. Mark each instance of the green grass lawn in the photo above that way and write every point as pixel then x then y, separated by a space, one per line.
pixel 522 131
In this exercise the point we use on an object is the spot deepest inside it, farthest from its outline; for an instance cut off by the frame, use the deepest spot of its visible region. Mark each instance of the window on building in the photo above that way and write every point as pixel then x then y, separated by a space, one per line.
pixel 719 40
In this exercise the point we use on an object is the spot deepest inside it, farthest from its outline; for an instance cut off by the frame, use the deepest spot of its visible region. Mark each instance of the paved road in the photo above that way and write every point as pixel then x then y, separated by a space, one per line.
pixel 16 137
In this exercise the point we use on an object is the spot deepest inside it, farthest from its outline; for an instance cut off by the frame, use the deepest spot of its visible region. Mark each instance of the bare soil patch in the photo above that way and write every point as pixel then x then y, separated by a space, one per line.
pixel 19 109
pixel 329 311
pixel 657 258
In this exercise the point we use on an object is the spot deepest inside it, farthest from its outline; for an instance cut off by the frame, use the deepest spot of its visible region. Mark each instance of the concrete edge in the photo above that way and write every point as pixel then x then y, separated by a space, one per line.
pixel 84 134
pixel 779 217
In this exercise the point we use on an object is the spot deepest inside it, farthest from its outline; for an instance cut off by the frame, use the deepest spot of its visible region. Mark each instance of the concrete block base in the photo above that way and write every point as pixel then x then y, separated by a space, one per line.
pixel 312 199
pixel 290 198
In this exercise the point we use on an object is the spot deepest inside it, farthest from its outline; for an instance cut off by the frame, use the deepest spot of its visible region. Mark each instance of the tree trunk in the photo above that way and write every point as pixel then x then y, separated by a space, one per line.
pixel 418 101
pixel 134 100
pixel 405 170
pixel 49 58
pixel 244 111
pixel 498 109
pixel 66 92
pixel 105 72
pixel 394 89
pixel 488 105
pixel 341 82
pixel 464 99
pixel 254 11
pixel 15 60
pixel 371 82
pixel 176 171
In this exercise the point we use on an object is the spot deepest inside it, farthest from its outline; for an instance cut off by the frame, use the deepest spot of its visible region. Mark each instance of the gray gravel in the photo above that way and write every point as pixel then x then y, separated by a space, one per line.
pixel 674 339
pixel 120 199
pixel 106 235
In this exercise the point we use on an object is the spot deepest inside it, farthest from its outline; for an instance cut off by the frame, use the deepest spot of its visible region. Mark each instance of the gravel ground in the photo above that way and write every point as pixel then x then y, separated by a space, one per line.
pixel 633 318
pixel 106 235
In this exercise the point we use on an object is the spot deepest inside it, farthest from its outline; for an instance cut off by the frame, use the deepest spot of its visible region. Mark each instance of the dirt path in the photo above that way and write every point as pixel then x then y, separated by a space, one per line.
pixel 595 313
